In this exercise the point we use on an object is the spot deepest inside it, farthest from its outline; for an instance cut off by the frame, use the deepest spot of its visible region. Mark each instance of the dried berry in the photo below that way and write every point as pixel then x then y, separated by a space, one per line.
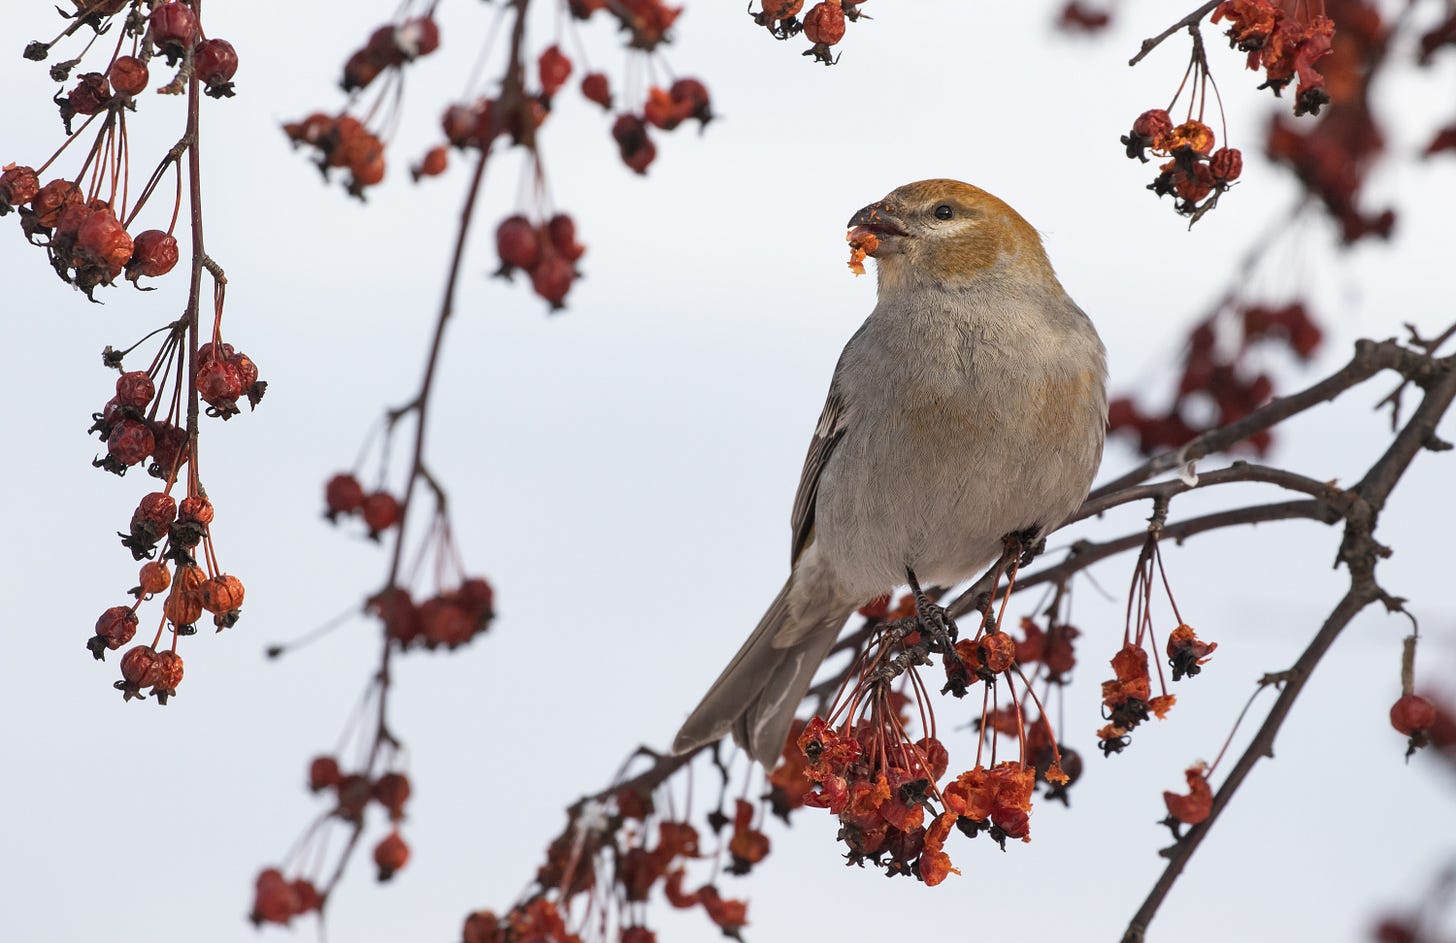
pixel 154 578
pixel 18 186
pixel 215 62
pixel 552 278
pixel 554 68
pixel 636 148
pixel 381 512
pixel 130 442
pixel 172 28
pixel 222 594
pixel 168 668
pixel 1412 714
pixel 219 384
pixel 135 389
pixel 390 855
pixel 561 230
pixel 196 509
pixel 138 670
pixel 153 253
pixel 517 243
pixel 596 88
pixel 323 773
pixel 343 495
pixel 824 24
pixel 114 628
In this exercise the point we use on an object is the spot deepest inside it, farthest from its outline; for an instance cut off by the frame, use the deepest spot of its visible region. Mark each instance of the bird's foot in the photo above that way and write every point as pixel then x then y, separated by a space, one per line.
pixel 934 620
pixel 1022 546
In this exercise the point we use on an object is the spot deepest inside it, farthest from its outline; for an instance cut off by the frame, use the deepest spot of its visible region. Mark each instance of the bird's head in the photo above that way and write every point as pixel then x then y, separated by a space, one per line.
pixel 948 233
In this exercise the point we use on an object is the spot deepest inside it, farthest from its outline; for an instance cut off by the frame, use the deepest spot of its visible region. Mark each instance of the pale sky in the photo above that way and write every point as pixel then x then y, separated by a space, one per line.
pixel 623 472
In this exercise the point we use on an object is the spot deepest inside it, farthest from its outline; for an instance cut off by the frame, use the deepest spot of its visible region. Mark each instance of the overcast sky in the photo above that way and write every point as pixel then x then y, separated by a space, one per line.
pixel 623 474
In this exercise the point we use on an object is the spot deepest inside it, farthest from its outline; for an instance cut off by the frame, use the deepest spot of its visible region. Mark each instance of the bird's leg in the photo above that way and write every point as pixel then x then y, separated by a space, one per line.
pixel 934 620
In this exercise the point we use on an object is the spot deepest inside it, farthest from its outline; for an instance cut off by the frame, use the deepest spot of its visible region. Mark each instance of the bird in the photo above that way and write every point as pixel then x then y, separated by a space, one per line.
pixel 971 405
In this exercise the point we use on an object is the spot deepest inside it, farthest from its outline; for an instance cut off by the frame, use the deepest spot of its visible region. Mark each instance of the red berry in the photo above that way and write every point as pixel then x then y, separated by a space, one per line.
pixel 562 232
pixel 51 199
pixel 458 122
pixel 170 450
pixel 397 611
pixel 381 511
pixel 247 370
pixel 323 773
pixel 343 494
pixel 135 389
pixel 153 516
pixel 392 790
pixel 692 96
pixel 219 384
pixel 215 61
pixel 307 896
pixel 1153 124
pixel 224 594
pixel 418 37
pixel 196 509
pixel 383 48
pixel 154 578
pixel 442 622
pixel 205 353
pixel 102 241
pixel 274 899
pixel 1412 714
pixel 128 75
pixel 18 186
pixel 824 24
pixel 173 28
pixel 130 441
pixel 138 670
pixel 153 253
pixel 168 668
pixel 517 243
pixel 555 69
pixel 390 855
pixel 91 94
pixel 434 163
pixel 1226 163
pixel 552 278
pixel 637 149
pixel 360 70
pixel 116 626
pixel 595 87
pixel 476 597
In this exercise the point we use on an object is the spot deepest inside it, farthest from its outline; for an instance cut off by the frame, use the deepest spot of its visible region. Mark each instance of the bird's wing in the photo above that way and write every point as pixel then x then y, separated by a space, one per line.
pixel 832 423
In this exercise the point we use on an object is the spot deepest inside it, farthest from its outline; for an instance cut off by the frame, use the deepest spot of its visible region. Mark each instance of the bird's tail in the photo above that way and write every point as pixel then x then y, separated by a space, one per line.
pixel 757 694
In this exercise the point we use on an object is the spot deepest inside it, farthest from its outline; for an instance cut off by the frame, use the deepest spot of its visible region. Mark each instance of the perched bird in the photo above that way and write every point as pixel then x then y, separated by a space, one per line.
pixel 969 406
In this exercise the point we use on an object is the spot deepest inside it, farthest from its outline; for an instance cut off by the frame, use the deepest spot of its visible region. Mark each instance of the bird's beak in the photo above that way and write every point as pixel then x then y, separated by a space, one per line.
pixel 880 219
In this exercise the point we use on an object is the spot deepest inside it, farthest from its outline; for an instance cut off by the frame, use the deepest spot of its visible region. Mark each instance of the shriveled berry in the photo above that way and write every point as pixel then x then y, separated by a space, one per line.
pixel 91 94
pixel 181 607
pixel 381 511
pixel 128 75
pixel 205 352
pixel 517 243
pixel 153 515
pixel 390 855
pixel 554 68
pixel 360 70
pixel 219 384
pixel 442 622
pixel 562 232
pixel 51 199
pixel 154 578
pixel 1226 163
pixel 135 389
pixel 824 24
pixel 222 594
pixel 397 611
pixel 153 253
pixel 170 451
pixel 307 897
pixel 172 28
pixel 195 509
pixel 115 628
pixel 552 278
pixel 323 773
pixel 102 241
pixel 168 667
pixel 596 88
pixel 691 96
pixel 476 596
pixel 1412 714
pixel 130 441
pixel 18 186
pixel 343 495
pixel 216 62
pixel 458 122
pixel 247 370
pixel 138 670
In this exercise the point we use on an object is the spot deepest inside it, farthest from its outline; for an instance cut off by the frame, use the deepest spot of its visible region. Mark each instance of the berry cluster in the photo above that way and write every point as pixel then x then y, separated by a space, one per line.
pixel 1196 173
pixel 1283 44
pixel 823 25
pixel 344 496
pixel 616 850
pixel 86 222
pixel 546 251
pixel 1128 699
pixel 135 427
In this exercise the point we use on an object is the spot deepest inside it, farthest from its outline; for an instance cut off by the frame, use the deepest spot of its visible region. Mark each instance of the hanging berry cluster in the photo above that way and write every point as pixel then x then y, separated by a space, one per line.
pixel 1283 43
pixel 616 851
pixel 1128 699
pixel 144 420
pixel 278 899
pixel 89 220
pixel 823 25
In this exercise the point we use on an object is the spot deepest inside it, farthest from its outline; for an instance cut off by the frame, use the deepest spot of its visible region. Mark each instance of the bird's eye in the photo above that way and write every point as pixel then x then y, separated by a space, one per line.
pixel 943 211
